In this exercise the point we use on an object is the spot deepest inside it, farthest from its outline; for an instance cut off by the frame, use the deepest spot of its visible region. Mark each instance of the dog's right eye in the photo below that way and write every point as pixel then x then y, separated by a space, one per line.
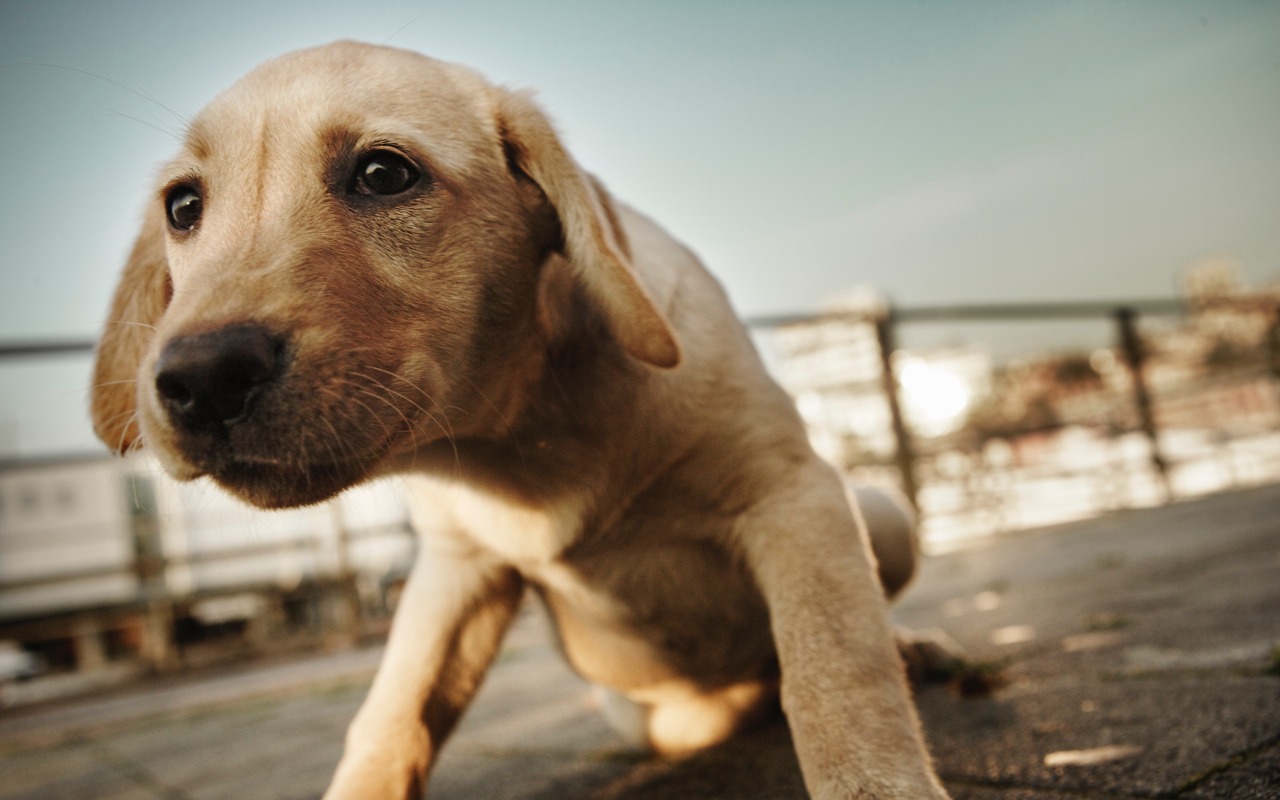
pixel 185 206
pixel 384 172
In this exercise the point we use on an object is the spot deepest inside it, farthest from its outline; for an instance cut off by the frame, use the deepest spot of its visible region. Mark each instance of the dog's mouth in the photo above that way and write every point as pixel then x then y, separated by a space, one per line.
pixel 280 484
pixel 277 463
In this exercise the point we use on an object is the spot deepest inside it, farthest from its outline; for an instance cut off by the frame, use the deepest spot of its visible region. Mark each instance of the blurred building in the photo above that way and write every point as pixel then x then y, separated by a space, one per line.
pixel 106 561
pixel 65 518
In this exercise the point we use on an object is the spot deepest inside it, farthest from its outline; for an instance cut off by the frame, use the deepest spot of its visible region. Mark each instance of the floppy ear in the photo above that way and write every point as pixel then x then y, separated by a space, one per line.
pixel 590 242
pixel 140 299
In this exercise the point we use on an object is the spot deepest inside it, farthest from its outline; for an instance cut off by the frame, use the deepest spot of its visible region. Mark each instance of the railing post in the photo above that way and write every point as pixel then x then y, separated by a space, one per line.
pixel 1273 343
pixel 904 454
pixel 349 604
pixel 1131 344
pixel 150 566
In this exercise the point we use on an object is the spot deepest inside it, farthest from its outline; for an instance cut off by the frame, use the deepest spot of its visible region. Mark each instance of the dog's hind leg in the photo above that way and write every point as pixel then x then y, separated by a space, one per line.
pixel 677 722
pixel 891 527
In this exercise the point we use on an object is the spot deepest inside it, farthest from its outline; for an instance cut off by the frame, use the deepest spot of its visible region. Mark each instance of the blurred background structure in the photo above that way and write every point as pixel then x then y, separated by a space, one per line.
pixel 1067 212
pixel 108 569
pixel 1171 399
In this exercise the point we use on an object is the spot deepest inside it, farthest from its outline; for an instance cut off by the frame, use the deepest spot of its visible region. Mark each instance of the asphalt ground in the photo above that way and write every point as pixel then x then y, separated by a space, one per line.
pixel 1133 655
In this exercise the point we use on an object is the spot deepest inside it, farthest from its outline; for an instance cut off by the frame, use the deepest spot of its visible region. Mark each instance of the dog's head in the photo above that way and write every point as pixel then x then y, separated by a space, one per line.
pixel 357 252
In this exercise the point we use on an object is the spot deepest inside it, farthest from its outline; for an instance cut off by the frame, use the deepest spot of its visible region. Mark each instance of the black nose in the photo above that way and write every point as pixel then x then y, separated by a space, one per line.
pixel 208 381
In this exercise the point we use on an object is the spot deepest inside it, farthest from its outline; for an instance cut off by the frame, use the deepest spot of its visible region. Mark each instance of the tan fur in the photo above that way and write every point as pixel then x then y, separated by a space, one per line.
pixel 568 394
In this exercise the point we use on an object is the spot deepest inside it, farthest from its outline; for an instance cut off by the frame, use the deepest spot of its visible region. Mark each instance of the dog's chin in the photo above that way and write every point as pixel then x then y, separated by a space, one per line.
pixel 271 484
pixel 276 486
pixel 248 469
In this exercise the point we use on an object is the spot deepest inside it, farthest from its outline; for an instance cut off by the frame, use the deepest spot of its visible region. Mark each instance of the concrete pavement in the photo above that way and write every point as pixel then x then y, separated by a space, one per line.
pixel 1138 653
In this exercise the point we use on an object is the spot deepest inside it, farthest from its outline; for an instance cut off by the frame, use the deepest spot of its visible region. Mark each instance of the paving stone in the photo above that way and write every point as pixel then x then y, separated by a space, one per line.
pixel 964 792
pixel 261 748
pixel 72 771
pixel 1139 669
pixel 1147 736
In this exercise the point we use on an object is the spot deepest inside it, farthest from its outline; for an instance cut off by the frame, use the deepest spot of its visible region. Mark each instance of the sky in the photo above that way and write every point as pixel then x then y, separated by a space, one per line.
pixel 941 152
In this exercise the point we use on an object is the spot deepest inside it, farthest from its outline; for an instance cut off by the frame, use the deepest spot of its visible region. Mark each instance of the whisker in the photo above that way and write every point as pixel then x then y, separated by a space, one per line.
pixel 127 414
pixel 413 21
pixel 386 432
pixel 135 92
pixel 501 414
pixel 343 446
pixel 329 444
pixel 408 424
pixel 303 463
pixel 130 422
pixel 446 429
pixel 135 323
pixel 158 128
pixel 402 396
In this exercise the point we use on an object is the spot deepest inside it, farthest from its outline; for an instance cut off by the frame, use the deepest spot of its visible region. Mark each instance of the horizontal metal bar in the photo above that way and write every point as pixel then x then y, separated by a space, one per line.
pixel 996 312
pixel 1085 309
pixel 1038 311
pixel 45 348
pixel 157 564
pixel 1081 309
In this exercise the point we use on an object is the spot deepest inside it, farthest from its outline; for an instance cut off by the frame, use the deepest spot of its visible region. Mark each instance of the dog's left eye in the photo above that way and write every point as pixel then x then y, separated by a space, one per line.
pixel 383 172
pixel 185 205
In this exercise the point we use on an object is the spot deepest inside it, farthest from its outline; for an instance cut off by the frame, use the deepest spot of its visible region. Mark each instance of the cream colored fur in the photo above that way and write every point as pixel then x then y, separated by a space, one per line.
pixel 570 398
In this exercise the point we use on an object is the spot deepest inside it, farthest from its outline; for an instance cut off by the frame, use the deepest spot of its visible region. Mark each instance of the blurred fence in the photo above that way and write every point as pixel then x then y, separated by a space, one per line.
pixel 1145 402
pixel 1150 401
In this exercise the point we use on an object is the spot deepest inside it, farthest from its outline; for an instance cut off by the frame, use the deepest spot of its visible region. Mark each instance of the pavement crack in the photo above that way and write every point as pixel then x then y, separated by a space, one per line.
pixel 134 771
pixel 1238 760
pixel 973 782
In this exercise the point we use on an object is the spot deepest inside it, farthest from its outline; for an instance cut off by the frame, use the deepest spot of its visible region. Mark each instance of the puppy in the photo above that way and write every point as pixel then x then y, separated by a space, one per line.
pixel 363 262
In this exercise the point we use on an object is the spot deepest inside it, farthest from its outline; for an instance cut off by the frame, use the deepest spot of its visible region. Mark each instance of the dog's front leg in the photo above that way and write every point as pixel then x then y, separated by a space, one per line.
pixel 447 628
pixel 855 729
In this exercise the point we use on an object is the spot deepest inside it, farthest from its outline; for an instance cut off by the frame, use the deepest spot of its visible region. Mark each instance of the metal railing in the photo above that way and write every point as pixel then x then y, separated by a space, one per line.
pixel 1124 315
pixel 913 455
pixel 920 462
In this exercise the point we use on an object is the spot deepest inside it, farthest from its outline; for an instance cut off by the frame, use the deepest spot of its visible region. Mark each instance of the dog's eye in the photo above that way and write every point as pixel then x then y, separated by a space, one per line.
pixel 383 172
pixel 185 206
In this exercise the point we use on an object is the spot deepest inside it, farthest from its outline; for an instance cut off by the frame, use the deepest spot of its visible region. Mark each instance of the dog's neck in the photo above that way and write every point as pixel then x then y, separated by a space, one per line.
pixel 552 422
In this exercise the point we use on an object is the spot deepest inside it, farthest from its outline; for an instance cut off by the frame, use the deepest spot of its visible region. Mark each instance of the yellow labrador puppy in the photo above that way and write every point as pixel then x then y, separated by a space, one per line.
pixel 364 261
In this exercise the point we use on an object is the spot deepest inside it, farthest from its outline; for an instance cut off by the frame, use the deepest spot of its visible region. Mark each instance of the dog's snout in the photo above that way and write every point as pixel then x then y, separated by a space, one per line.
pixel 208 381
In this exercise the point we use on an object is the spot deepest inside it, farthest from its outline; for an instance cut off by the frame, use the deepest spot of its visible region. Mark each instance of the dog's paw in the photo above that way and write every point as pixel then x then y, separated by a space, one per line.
pixel 931 656
pixel 369 778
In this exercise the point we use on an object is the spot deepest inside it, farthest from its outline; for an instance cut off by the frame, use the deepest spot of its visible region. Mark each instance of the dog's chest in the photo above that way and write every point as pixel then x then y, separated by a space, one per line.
pixel 530 538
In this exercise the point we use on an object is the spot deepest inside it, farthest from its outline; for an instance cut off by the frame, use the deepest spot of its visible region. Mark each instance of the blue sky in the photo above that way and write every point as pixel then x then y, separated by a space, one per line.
pixel 939 151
